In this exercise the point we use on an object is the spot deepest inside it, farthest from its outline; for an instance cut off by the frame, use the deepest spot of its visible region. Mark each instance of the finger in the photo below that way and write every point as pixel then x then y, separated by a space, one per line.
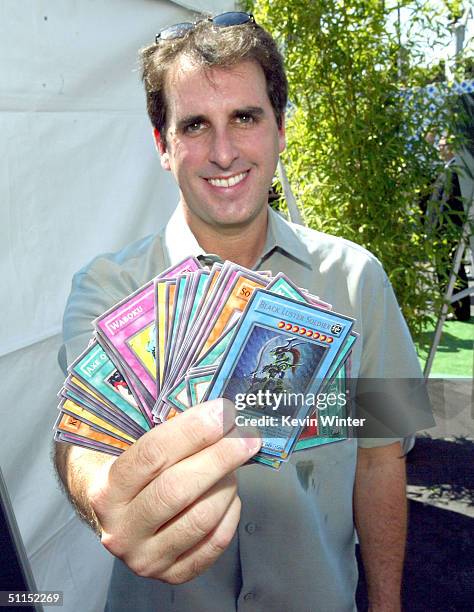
pixel 183 483
pixel 203 555
pixel 160 551
pixel 167 444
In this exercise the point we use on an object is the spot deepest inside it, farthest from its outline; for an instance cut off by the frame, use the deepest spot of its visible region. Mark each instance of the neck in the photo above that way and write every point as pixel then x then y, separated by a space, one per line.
pixel 242 245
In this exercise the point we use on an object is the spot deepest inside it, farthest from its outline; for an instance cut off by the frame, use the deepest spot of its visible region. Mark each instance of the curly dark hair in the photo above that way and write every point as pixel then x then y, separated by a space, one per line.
pixel 211 46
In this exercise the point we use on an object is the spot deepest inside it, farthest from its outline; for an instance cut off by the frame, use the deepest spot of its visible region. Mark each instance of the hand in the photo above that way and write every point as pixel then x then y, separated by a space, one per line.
pixel 168 506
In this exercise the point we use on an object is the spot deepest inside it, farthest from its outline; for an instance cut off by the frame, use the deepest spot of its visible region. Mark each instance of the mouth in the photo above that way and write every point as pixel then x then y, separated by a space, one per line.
pixel 228 181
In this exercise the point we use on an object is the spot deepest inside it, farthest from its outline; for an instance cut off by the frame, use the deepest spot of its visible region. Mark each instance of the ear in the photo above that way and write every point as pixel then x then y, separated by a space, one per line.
pixel 162 151
pixel 282 135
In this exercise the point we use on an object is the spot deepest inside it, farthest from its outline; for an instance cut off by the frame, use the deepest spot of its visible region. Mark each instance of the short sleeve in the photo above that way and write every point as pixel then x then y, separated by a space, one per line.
pixel 105 281
pixel 88 299
pixel 390 386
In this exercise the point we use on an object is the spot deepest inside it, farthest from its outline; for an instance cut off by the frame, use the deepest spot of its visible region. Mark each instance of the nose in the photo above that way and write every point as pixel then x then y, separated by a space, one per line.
pixel 223 149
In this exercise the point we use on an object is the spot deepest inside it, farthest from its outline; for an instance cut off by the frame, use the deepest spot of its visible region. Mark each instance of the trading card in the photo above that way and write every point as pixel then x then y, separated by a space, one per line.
pixel 171 287
pixel 308 438
pixel 101 410
pixel 316 301
pixel 172 293
pixel 282 285
pixel 194 334
pixel 178 397
pixel 182 288
pixel 163 289
pixel 197 383
pixel 143 346
pixel 201 316
pixel 334 399
pixel 160 314
pixel 99 405
pixel 128 330
pixel 198 305
pixel 195 301
pixel 196 308
pixel 327 427
pixel 70 407
pixel 70 424
pixel 231 305
pixel 268 461
pixel 213 289
pixel 193 297
pixel 99 373
pixel 142 398
pixel 82 388
pixel 62 436
pixel 161 408
pixel 132 317
pixel 341 359
pixel 223 309
pixel 96 370
pixel 88 393
pixel 214 275
pixel 213 355
pixel 278 359
pixel 231 296
pixel 82 394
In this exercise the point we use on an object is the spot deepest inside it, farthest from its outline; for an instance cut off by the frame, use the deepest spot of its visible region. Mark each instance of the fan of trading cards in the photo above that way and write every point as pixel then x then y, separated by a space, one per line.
pixel 195 333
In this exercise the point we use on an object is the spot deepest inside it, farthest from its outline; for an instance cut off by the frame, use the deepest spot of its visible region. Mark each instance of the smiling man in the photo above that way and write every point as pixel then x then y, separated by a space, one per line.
pixel 222 143
pixel 189 529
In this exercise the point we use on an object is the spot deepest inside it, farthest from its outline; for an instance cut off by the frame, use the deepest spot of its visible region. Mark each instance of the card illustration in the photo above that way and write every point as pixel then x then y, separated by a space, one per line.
pixel 276 363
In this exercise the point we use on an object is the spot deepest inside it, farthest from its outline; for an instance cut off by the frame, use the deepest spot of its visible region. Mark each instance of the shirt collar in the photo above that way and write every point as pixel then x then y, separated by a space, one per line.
pixel 282 236
pixel 179 239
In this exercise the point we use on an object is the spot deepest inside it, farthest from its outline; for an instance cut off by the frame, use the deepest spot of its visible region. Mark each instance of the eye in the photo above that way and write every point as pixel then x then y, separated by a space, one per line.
pixel 245 118
pixel 194 127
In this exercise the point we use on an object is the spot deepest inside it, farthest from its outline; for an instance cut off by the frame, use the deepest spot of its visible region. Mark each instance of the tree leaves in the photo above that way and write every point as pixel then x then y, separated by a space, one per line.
pixel 357 157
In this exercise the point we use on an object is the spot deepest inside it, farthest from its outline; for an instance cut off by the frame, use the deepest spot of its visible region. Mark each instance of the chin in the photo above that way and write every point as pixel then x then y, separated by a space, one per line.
pixel 234 220
pixel 234 215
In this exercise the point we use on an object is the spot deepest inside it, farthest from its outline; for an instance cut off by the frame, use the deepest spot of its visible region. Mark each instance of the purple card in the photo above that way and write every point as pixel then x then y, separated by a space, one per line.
pixel 129 327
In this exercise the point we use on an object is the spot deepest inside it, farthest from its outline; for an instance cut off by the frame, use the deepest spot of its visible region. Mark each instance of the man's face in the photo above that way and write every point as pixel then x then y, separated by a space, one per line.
pixel 222 141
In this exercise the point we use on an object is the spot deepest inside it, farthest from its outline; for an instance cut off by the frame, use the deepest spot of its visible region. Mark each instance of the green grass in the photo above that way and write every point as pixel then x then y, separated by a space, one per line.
pixel 455 354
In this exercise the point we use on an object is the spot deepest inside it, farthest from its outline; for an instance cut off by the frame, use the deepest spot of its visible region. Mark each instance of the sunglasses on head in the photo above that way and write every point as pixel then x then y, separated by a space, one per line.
pixel 224 20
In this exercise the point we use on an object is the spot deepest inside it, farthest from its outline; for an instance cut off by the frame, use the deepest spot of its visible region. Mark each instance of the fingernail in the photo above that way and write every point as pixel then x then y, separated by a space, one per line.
pixel 252 444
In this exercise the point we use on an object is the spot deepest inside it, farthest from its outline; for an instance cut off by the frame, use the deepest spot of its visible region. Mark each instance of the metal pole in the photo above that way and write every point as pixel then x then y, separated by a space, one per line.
pixel 294 211
pixel 448 298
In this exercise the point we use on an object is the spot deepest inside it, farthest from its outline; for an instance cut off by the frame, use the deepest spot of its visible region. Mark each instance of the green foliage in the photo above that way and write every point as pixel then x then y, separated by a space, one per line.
pixel 356 158
pixel 455 8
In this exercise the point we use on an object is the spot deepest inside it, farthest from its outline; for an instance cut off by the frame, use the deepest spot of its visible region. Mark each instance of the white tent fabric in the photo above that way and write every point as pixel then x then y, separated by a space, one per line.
pixel 79 176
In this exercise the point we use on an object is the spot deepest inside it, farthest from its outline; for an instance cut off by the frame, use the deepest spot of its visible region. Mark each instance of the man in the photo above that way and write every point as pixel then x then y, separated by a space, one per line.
pixel 200 533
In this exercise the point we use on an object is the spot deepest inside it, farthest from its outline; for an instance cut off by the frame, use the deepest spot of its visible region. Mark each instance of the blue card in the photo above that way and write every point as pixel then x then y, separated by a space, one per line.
pixel 275 365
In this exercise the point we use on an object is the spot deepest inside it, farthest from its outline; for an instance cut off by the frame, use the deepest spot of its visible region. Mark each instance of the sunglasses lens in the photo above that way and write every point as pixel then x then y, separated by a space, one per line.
pixel 178 30
pixel 231 19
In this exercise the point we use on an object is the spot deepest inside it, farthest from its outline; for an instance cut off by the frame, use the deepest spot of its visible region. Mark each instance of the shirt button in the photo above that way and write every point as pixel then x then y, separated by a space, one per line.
pixel 250 528
pixel 248 596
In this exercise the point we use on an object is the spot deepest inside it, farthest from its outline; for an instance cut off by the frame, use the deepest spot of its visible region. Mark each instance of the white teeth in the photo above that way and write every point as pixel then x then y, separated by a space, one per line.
pixel 230 182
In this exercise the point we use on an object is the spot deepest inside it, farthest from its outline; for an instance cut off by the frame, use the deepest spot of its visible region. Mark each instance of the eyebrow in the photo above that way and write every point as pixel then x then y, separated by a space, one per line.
pixel 257 111
pixel 249 110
